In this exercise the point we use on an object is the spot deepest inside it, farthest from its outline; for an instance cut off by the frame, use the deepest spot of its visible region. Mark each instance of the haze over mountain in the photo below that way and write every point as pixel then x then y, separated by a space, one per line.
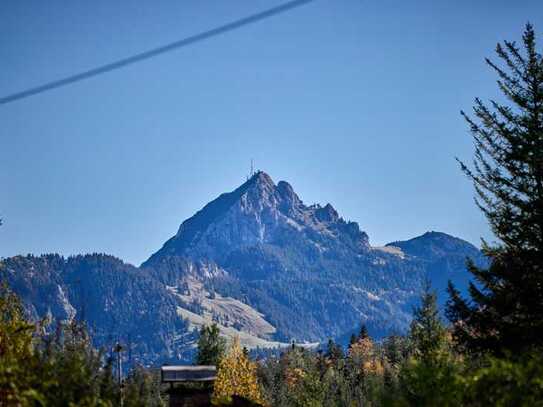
pixel 257 261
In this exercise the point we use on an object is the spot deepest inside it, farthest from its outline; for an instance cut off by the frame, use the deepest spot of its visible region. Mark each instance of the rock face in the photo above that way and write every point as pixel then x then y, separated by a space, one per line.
pixel 257 261
pixel 259 213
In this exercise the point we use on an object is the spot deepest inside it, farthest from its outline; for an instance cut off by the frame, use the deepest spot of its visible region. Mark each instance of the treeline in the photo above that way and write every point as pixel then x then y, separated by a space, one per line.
pixel 423 368
pixel 56 365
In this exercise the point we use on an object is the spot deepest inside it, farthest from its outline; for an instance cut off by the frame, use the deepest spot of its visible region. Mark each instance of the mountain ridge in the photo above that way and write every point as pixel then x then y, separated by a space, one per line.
pixel 256 260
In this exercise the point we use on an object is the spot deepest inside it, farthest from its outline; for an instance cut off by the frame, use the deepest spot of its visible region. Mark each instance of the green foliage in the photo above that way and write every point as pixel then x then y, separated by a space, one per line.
pixel 142 388
pixel 17 358
pixel 304 378
pixel 421 369
pixel 334 352
pixel 72 370
pixel 294 379
pixel 435 383
pixel 507 382
pixel 211 346
pixel 427 333
pixel 49 369
pixel 60 367
pixel 398 373
pixel 430 376
pixel 505 313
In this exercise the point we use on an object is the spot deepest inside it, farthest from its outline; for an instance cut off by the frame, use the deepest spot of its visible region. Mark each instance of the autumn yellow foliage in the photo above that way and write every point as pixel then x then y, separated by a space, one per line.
pixel 237 376
pixel 362 348
pixel 293 376
pixel 363 351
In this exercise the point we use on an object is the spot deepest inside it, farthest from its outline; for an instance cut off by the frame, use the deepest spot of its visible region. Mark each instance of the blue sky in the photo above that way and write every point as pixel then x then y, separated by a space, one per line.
pixel 353 102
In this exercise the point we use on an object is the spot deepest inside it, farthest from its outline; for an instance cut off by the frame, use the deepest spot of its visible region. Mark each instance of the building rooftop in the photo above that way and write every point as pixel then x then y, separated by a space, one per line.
pixel 188 373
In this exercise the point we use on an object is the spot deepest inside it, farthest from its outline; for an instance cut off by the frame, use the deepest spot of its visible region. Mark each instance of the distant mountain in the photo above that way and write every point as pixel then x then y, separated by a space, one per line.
pixel 443 257
pixel 260 263
pixel 118 301
pixel 433 246
pixel 311 273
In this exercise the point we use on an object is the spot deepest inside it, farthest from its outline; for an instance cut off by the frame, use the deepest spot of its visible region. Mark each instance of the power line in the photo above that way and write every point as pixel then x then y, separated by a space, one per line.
pixel 154 52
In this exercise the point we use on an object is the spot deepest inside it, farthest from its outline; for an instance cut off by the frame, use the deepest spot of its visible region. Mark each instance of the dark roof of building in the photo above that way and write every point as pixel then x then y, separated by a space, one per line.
pixel 188 373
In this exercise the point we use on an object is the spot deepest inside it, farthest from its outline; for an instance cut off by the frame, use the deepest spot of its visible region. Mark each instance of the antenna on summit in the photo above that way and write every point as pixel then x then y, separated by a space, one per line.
pixel 252 171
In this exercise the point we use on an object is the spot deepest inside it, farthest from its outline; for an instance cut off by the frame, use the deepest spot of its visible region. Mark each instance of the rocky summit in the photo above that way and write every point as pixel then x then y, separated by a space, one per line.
pixel 260 213
pixel 257 261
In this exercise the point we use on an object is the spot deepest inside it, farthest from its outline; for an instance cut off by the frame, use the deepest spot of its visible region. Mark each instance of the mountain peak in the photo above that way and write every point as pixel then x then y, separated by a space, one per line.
pixel 260 186
pixel 261 212
pixel 260 177
pixel 434 244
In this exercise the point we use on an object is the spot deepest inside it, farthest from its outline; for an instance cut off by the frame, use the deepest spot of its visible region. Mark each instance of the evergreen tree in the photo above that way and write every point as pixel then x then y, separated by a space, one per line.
pixel 431 375
pixel 363 334
pixel 142 388
pixel 334 352
pixel 427 333
pixel 505 312
pixel 17 358
pixel 396 349
pixel 72 371
pixel 211 346
pixel 39 368
pixel 352 340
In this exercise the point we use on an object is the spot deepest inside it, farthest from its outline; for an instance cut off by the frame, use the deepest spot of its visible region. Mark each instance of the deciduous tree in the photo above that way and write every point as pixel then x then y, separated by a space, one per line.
pixel 237 376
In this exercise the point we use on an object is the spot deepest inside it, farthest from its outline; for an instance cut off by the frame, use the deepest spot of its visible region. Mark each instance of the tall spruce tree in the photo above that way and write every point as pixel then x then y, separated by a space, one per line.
pixel 505 312
pixel 427 333
pixel 211 346
pixel 429 376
